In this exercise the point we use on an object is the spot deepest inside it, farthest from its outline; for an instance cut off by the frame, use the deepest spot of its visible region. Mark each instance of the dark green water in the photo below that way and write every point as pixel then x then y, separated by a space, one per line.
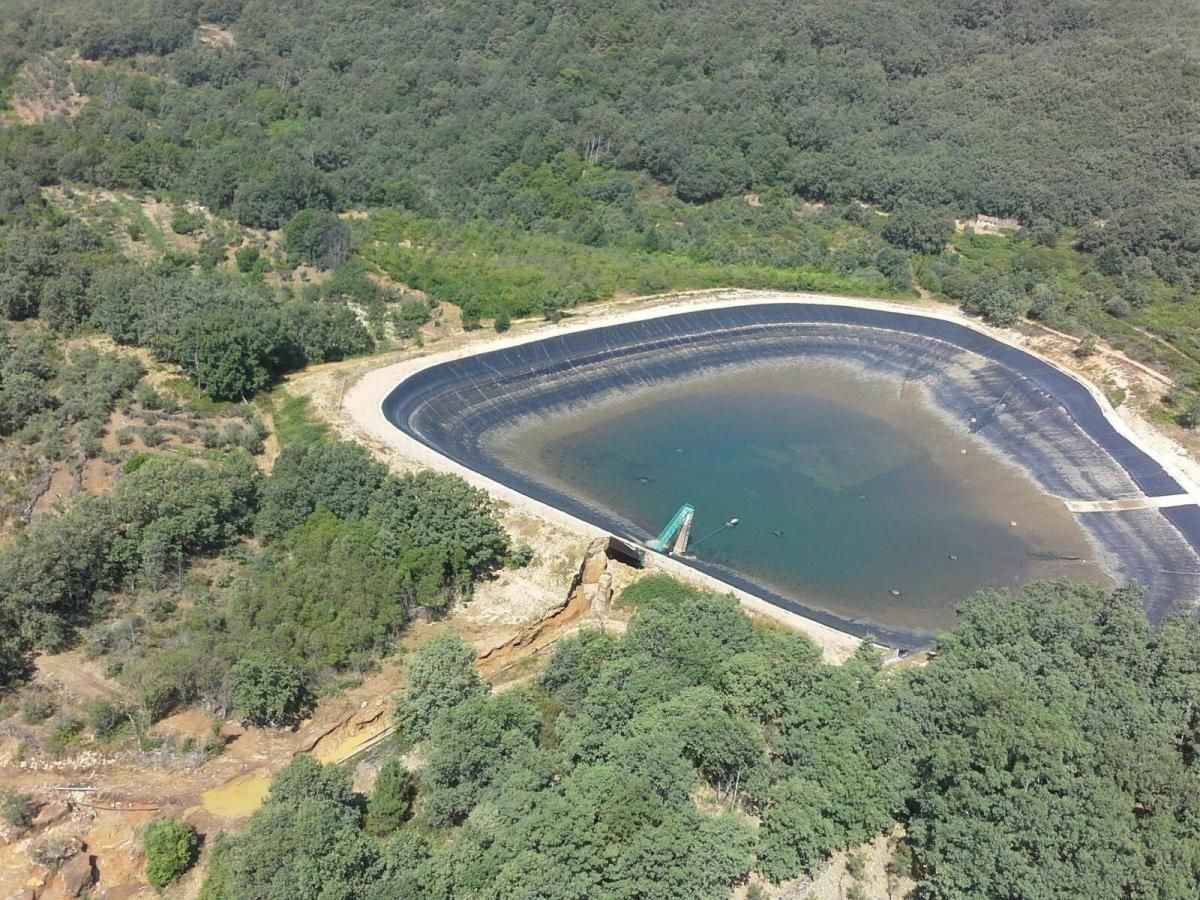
pixel 846 490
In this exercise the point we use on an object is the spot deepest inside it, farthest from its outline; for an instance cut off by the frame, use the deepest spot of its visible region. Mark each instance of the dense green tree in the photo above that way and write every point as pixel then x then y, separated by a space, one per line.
pixel 161 514
pixel 232 341
pixel 439 676
pixel 572 669
pixel 22 396
pixel 176 510
pixel 338 475
pixel 305 841
pixel 796 832
pixel 919 229
pixel 722 747
pixel 326 331
pixel 317 237
pixel 469 745
pixel 1048 761
pixel 322 596
pixel 996 300
pixel 430 511
pixel 391 800
pixel 1047 750
pixel 171 848
pixel 306 779
pixel 268 691
pixel 230 351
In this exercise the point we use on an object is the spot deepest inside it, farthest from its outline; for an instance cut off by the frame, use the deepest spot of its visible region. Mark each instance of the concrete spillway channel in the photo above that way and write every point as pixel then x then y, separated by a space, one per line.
pixel 1143 521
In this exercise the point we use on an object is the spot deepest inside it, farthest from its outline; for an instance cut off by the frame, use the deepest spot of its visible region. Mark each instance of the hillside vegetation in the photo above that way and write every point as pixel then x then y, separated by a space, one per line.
pixel 198 197
pixel 530 157
pixel 1048 751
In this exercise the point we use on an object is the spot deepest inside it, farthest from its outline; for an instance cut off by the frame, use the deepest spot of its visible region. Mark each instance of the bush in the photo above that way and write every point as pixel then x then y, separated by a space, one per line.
pixel 171 849
pixel 104 717
pixel 918 229
pixel 391 802
pixel 16 809
pixel 1189 417
pixel 186 222
pixel 63 735
pixel 54 852
pixel 519 556
pixel 439 676
pixel 247 258
pixel 267 691
pixel 37 708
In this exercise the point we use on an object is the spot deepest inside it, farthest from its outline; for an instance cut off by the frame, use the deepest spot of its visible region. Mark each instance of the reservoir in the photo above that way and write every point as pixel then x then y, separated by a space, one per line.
pixel 884 464
pixel 853 493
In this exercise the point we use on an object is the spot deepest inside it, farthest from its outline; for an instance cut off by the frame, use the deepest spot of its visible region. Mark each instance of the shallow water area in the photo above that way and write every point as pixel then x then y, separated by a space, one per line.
pixel 853 493
pixel 239 797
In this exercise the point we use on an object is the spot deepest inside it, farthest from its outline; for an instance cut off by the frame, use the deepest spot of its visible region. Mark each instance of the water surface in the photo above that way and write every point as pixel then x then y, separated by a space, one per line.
pixel 852 493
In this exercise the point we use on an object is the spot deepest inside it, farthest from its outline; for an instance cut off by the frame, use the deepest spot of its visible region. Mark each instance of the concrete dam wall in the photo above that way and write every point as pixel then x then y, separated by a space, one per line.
pixel 1030 412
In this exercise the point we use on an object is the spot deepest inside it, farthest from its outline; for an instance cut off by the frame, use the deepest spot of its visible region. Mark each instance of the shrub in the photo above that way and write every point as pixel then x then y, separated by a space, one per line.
pixel 148 397
pixel 1189 417
pixel 247 258
pixel 104 717
pixel 439 676
pixel 54 852
pixel 519 556
pixel 63 735
pixel 186 222
pixel 153 436
pixel 267 691
pixel 16 809
pixel 856 864
pixel 171 849
pixel 135 462
pixel 391 803
pixel 37 708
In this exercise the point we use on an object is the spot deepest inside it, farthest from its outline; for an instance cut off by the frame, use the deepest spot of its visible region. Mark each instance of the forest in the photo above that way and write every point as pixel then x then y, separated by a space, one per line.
pixel 521 159
pixel 1047 751
pixel 199 198
pixel 348 553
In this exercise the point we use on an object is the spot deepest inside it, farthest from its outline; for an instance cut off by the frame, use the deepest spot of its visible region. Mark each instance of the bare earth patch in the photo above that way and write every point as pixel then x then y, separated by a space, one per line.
pixel 834 881
pixel 212 35
pixel 44 91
